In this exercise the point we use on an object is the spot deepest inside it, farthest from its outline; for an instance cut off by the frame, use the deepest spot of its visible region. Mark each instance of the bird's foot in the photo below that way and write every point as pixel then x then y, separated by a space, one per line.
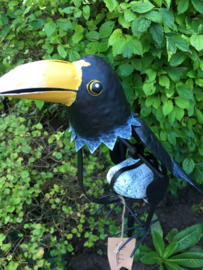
pixel 143 227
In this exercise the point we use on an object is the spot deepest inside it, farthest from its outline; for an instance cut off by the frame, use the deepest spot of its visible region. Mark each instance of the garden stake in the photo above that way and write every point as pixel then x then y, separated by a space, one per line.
pixel 98 112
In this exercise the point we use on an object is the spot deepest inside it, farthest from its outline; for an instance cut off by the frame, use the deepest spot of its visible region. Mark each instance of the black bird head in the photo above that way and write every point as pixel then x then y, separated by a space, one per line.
pixel 95 101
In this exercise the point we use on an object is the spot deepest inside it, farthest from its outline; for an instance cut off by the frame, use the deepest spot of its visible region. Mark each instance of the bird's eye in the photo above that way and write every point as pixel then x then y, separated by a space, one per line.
pixel 94 88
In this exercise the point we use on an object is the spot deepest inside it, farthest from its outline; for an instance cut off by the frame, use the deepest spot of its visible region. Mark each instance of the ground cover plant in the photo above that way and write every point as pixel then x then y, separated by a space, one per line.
pixel 155 48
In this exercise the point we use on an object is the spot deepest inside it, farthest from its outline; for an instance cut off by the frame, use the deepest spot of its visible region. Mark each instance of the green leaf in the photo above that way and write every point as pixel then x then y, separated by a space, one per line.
pixel 197 41
pixel 188 259
pixel 37 24
pixel 70 10
pixel 61 51
pixel 116 35
pixel 4 32
pixel 198 5
pixel 182 103
pixel 183 6
pixel 158 243
pixel 184 91
pixel 49 28
pixel 157 33
pixel 137 64
pixel 177 59
pixel 180 43
pixel 170 249
pixel 129 15
pixel 153 16
pixel 86 12
pixel 141 6
pixel 172 266
pixel 164 81
pixel 151 74
pixel 156 226
pixel 132 46
pixel 77 37
pixel 24 174
pixel 188 237
pixel 149 88
pixel 2 237
pixel 58 155
pixel 125 70
pixel 106 29
pixel 111 4
pixel 171 235
pixel 168 3
pixel 150 258
pixel 199 115
pixel 167 17
pixel 143 24
pixel 39 104
pixel 174 73
pixel 188 165
pixel 167 107
pixel 92 35
pixel 179 113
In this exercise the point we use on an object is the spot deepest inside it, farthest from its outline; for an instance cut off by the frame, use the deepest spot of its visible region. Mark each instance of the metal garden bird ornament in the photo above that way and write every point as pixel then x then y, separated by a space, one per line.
pixel 99 113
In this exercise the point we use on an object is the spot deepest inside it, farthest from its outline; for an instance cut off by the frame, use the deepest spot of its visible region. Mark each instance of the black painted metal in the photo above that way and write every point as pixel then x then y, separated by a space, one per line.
pixel 91 116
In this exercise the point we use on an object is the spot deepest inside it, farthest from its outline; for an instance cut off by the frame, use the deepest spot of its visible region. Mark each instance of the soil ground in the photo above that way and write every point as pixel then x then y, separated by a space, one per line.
pixel 173 212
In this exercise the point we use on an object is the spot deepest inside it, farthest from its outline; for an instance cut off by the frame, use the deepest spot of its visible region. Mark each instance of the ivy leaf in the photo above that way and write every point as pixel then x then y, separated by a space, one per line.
pixel 167 17
pixel 49 28
pixel 141 7
pixel 86 12
pixel 111 4
pixel 153 16
pixel 183 6
pixel 157 33
pixel 167 107
pixel 198 5
pixel 125 70
pixel 177 59
pixel 61 51
pixel 106 29
pixel 197 41
pixel 188 165
pixel 117 34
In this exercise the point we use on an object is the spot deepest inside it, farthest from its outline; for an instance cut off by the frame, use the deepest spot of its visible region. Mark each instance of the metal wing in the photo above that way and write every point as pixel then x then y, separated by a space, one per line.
pixel 157 149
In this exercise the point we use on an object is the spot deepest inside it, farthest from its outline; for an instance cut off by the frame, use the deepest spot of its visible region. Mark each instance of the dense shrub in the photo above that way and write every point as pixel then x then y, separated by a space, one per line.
pixel 156 49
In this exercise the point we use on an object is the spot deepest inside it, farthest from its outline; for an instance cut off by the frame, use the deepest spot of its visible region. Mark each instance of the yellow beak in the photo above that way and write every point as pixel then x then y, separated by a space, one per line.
pixel 48 80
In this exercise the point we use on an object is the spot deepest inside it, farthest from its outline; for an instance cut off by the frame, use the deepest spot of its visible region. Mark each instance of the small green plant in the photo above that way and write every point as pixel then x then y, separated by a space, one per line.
pixel 179 254
pixel 198 207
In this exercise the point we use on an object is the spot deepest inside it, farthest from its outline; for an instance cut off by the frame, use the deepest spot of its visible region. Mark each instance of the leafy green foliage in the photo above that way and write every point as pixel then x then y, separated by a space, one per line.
pixel 178 242
pixel 39 199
